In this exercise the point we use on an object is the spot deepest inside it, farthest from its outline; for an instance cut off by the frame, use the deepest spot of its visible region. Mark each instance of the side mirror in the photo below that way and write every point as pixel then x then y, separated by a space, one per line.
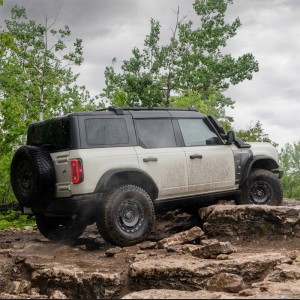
pixel 231 137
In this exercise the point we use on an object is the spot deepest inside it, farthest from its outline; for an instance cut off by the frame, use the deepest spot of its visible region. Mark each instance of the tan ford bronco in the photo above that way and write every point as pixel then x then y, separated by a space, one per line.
pixel 113 167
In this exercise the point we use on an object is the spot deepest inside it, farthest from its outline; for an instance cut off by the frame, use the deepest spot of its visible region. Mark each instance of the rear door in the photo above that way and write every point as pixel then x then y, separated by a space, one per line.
pixel 210 162
pixel 160 157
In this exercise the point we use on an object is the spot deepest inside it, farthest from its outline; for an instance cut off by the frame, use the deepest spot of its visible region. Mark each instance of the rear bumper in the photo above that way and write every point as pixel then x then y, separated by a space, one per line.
pixel 85 205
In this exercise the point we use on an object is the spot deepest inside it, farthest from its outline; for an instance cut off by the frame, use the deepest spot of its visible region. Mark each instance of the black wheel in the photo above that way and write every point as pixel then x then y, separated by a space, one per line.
pixel 59 229
pixel 32 176
pixel 261 188
pixel 126 216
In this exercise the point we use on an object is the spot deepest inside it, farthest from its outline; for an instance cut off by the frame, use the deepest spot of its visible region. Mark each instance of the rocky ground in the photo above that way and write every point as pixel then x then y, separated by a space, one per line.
pixel 226 251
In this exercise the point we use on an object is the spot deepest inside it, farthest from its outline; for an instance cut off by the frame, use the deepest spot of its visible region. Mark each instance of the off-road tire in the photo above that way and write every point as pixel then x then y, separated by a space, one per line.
pixel 32 176
pixel 126 216
pixel 261 188
pixel 59 229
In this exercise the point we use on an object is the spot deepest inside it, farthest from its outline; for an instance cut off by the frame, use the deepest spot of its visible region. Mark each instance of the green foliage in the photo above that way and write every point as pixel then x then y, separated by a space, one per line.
pixel 15 219
pixel 191 65
pixel 6 194
pixel 210 103
pixel 255 134
pixel 6 42
pixel 141 83
pixel 290 162
pixel 36 80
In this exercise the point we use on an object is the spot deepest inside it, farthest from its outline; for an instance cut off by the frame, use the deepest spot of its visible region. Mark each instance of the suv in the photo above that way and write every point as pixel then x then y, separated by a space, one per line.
pixel 113 166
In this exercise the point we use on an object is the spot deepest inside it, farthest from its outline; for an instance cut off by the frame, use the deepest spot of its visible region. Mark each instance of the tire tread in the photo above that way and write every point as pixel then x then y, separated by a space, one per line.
pixel 106 226
pixel 273 180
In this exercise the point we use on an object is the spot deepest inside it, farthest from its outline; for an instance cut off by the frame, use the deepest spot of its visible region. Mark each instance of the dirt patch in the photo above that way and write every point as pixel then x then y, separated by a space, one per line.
pixel 31 264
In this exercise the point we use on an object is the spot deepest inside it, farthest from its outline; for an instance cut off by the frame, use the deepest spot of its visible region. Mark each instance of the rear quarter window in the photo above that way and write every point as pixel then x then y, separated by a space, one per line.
pixel 106 131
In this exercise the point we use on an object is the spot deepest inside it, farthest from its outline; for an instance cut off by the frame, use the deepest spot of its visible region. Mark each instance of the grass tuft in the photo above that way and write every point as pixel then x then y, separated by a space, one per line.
pixel 15 219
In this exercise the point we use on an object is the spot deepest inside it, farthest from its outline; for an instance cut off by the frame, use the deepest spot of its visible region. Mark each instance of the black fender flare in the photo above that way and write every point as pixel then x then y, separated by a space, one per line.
pixel 115 177
pixel 264 161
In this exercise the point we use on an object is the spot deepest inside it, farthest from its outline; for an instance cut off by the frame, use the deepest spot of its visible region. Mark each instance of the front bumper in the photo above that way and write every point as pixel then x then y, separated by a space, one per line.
pixel 279 172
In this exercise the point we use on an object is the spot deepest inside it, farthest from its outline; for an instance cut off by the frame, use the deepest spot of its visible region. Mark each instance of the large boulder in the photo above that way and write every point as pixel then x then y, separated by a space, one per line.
pixel 88 282
pixel 226 282
pixel 212 249
pixel 184 272
pixel 245 220
pixel 184 237
pixel 285 272
pixel 177 294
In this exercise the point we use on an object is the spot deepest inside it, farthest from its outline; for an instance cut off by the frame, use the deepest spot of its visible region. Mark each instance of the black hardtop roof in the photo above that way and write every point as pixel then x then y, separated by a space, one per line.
pixel 135 112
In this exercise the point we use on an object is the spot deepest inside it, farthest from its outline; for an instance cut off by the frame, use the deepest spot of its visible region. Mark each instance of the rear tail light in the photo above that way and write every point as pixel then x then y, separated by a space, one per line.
pixel 76 170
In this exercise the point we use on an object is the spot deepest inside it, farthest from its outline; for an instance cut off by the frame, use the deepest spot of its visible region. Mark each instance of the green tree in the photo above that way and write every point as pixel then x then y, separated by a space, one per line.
pixel 290 162
pixel 36 80
pixel 140 82
pixel 6 44
pixel 255 133
pixel 211 103
pixel 193 62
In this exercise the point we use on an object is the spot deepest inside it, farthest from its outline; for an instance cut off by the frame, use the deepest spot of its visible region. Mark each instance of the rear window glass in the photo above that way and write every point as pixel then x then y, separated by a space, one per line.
pixel 106 131
pixel 53 135
pixel 155 133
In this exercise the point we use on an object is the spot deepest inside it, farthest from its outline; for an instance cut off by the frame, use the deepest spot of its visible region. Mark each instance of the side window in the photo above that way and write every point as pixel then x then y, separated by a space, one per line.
pixel 155 133
pixel 196 132
pixel 106 132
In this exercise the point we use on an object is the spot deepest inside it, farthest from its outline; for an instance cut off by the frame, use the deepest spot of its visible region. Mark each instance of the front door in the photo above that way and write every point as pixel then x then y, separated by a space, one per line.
pixel 210 162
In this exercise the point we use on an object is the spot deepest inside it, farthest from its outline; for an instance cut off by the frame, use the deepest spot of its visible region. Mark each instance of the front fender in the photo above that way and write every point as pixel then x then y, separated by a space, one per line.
pixel 260 162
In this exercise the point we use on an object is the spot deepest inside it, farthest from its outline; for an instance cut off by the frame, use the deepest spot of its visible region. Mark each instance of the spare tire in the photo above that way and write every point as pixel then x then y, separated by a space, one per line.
pixel 32 176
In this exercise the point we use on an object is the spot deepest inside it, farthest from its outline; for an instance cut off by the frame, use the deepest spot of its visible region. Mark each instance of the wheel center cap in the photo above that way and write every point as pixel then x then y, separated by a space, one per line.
pixel 260 193
pixel 128 215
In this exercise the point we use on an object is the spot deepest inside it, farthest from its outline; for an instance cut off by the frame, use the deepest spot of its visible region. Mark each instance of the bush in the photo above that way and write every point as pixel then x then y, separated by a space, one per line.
pixel 15 219
pixel 290 162
pixel 6 193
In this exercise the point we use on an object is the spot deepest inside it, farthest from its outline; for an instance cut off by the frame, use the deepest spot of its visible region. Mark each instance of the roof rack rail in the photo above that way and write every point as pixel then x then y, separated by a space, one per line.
pixel 159 108
pixel 120 110
pixel 117 110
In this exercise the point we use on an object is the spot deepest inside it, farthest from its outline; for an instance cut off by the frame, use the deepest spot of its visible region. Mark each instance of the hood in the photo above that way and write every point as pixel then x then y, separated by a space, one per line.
pixel 264 148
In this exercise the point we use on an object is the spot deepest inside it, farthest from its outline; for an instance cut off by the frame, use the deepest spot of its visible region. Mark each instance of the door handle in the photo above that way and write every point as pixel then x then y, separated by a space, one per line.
pixel 150 159
pixel 196 156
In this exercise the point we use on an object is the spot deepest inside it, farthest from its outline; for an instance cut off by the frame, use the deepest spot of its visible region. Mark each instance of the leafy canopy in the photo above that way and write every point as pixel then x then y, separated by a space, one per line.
pixel 36 81
pixel 255 133
pixel 36 78
pixel 190 69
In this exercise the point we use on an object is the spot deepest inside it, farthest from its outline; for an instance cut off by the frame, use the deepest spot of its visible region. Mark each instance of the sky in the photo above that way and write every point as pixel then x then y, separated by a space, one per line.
pixel 270 30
